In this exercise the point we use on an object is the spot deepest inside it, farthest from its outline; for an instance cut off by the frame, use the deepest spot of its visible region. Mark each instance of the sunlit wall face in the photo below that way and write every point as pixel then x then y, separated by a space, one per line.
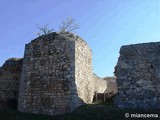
pixel 106 25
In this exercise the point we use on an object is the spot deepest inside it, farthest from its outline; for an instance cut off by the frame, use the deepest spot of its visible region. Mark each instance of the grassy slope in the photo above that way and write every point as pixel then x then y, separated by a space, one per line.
pixel 88 112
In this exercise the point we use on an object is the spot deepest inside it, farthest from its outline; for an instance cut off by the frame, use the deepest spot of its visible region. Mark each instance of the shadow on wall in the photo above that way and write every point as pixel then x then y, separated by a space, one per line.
pixel 9 103
pixel 104 97
pixel 9 82
pixel 48 82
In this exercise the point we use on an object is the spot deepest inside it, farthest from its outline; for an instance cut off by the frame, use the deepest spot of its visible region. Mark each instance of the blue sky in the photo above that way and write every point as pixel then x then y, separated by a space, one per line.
pixel 105 25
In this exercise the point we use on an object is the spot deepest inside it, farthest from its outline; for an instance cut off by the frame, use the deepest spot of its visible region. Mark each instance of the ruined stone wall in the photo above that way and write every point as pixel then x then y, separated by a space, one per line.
pixel 83 71
pixel 105 85
pixel 9 81
pixel 111 84
pixel 100 84
pixel 138 76
pixel 49 76
pixel 105 88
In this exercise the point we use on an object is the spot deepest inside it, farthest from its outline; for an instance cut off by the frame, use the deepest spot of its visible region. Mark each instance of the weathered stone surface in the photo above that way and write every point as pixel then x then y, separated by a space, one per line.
pixel 56 75
pixel 83 71
pixel 100 84
pixel 105 85
pixel 105 88
pixel 111 85
pixel 9 81
pixel 138 76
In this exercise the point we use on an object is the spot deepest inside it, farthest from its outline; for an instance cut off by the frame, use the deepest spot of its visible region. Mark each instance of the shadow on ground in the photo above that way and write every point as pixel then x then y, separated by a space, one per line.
pixel 96 111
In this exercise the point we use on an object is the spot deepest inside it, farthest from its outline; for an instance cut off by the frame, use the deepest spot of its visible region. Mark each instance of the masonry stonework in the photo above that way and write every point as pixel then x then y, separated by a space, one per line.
pixel 100 84
pixel 111 85
pixel 104 88
pixel 56 72
pixel 138 76
pixel 83 71
pixel 9 81
pixel 54 77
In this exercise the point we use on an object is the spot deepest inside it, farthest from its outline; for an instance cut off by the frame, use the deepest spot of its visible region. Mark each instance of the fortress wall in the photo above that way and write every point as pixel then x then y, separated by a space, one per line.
pixel 111 85
pixel 100 84
pixel 138 76
pixel 9 82
pixel 50 78
pixel 48 75
pixel 105 88
pixel 83 71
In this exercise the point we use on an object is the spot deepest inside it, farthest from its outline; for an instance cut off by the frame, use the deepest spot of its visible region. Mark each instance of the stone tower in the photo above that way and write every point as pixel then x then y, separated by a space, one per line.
pixel 138 76
pixel 56 75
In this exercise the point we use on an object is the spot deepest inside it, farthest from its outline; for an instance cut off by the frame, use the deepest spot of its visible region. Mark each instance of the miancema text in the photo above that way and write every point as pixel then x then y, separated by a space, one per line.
pixel 137 115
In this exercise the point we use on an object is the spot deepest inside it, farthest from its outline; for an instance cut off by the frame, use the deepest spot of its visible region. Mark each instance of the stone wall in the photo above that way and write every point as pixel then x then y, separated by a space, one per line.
pixel 111 85
pixel 9 81
pixel 105 85
pixel 56 75
pixel 52 80
pixel 83 71
pixel 105 88
pixel 138 76
pixel 100 84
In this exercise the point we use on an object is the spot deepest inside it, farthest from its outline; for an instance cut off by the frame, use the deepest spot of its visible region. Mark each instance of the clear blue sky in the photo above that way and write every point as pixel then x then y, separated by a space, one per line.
pixel 105 25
